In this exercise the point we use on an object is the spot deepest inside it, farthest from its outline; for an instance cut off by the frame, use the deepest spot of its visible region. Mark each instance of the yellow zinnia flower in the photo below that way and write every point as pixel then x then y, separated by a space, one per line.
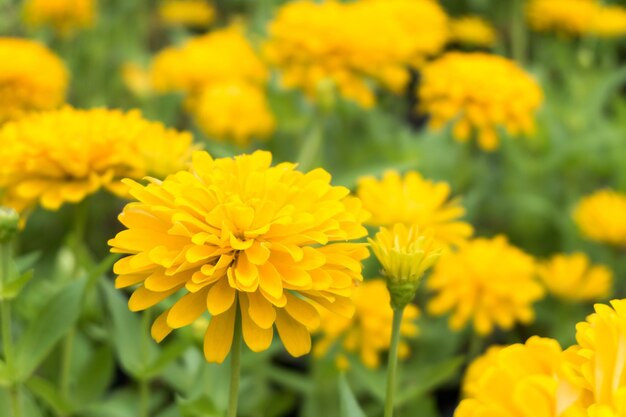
pixel 368 332
pixel 64 16
pixel 237 236
pixel 609 22
pixel 24 86
pixel 192 13
pixel 472 30
pixel 479 92
pixel 413 199
pixel 488 281
pixel 64 155
pixel 572 277
pixel 600 217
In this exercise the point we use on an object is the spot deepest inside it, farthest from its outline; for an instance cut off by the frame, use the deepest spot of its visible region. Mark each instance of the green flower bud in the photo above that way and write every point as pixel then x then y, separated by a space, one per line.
pixel 9 221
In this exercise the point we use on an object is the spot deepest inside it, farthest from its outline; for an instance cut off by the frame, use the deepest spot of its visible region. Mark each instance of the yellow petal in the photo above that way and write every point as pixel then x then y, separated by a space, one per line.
pixel 294 335
pixel 221 297
pixel 261 311
pixel 257 338
pixel 302 311
pixel 186 310
pixel 160 329
pixel 143 298
pixel 219 336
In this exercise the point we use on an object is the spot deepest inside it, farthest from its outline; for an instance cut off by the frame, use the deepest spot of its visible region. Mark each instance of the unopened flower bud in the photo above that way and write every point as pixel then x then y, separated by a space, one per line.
pixel 9 221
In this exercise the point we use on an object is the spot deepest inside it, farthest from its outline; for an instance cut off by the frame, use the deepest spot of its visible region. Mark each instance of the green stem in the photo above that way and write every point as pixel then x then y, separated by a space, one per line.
pixel 311 146
pixel 475 346
pixel 144 382
pixel 235 364
pixel 66 363
pixel 7 333
pixel 392 364
pixel 518 32
pixel 144 396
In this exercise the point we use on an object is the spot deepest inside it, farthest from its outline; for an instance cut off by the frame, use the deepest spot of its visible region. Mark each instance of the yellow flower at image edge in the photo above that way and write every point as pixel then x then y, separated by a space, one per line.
pixel 239 234
pixel 65 16
pixel 600 217
pixel 192 13
pixel 472 30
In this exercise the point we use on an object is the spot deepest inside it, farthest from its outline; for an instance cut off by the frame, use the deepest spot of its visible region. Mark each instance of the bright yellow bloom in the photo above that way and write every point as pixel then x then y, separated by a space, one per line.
pixel 136 79
pixel 64 16
pixel 192 13
pixel 571 17
pixel 24 86
pixel 234 110
pixel 64 155
pixel 235 234
pixel 488 281
pixel 316 43
pixel 609 22
pixel 368 332
pixel 479 92
pixel 412 199
pixel 572 277
pixel 600 217
pixel 472 30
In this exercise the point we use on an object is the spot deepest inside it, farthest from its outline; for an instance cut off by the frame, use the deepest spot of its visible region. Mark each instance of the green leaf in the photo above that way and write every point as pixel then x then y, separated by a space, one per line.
pixel 27 261
pixel 48 393
pixel 289 379
pixel 13 288
pixel 199 407
pixel 53 321
pixel 348 403
pixel 5 376
pixel 95 377
pixel 430 377
pixel 168 354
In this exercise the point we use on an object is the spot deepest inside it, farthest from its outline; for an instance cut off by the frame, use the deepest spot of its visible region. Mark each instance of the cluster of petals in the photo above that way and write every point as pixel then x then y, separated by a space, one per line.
pixel 190 13
pixel 600 217
pixel 480 93
pixel 64 16
pixel 239 237
pixel 472 31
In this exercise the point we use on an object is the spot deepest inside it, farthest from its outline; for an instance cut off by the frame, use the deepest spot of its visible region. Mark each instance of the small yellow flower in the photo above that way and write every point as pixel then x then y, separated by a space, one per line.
pixel 64 16
pixel 479 92
pixel 412 199
pixel 473 31
pixel 569 17
pixel 136 79
pixel 600 217
pixel 368 332
pixel 237 234
pixel 572 277
pixel 488 281
pixel 191 13
pixel 24 87
pixel 609 22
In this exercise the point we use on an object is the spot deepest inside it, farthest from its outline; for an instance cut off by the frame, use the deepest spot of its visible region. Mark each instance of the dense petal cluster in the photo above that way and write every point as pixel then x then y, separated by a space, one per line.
pixel 368 332
pixel 487 281
pixel 472 31
pixel 479 92
pixel 191 13
pixel 412 199
pixel 64 16
pixel 313 43
pixel 24 86
pixel 64 155
pixel 572 277
pixel 239 237
pixel 600 217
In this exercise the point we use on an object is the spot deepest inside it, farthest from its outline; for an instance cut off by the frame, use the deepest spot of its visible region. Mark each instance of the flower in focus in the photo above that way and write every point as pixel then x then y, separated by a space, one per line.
pixel 64 16
pixel 472 31
pixel 572 277
pixel 234 110
pixel 64 155
pixel 600 217
pixel 24 87
pixel 609 22
pixel 481 92
pixel 191 13
pixel 487 281
pixel 240 238
pixel 413 199
pixel 368 332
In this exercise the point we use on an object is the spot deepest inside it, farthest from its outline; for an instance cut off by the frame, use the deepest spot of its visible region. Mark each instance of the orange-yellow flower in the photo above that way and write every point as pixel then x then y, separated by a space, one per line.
pixel 64 16
pixel 473 31
pixel 600 217
pixel 238 237
pixel 192 13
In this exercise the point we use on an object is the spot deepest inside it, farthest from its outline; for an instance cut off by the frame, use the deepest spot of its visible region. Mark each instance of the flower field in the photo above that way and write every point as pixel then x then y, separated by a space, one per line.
pixel 281 208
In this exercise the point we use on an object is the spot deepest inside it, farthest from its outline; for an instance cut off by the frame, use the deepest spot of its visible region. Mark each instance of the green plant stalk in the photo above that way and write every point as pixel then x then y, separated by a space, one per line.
pixel 144 382
pixel 7 338
pixel 518 32
pixel 392 364
pixel 235 365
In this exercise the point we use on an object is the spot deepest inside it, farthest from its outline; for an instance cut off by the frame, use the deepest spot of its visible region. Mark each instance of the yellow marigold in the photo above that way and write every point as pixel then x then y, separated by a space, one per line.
pixel 488 281
pixel 235 110
pixel 64 155
pixel 192 13
pixel 412 199
pixel 519 380
pixel 315 43
pixel 64 16
pixel 368 332
pixel 570 17
pixel 472 30
pixel 481 92
pixel 609 22
pixel 24 86
pixel 600 217
pixel 572 277
pixel 240 238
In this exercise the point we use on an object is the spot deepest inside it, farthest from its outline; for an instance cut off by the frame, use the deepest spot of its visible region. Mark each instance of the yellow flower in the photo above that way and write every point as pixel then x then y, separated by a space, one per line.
pixel 24 86
pixel 237 235
pixel 368 332
pixel 234 110
pixel 64 155
pixel 572 277
pixel 488 281
pixel 479 92
pixel 316 43
pixel 192 13
pixel 136 79
pixel 413 199
pixel 609 22
pixel 600 217
pixel 472 30
pixel 64 16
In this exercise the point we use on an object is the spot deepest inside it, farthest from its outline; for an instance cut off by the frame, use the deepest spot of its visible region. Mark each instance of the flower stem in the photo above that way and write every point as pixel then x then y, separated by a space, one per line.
pixel 518 32
pixel 235 359
pixel 392 364
pixel 144 382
